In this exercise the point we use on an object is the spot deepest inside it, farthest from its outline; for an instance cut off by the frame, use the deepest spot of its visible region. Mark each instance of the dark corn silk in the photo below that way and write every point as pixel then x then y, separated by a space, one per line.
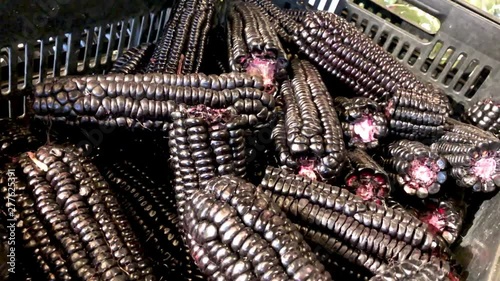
pixel 485 114
pixel 415 168
pixel 134 60
pixel 413 269
pixel 340 221
pixel 151 209
pixel 367 178
pixel 254 46
pixel 81 213
pixel 444 217
pixel 134 101
pixel 309 131
pixel 235 232
pixel 181 47
pixel 473 155
pixel 363 121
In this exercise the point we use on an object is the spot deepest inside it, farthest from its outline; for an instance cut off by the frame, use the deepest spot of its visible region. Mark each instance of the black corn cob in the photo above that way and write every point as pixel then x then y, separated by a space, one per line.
pixel 413 269
pixel 363 121
pixel 182 44
pixel 235 232
pixel 133 101
pixel 416 116
pixel 340 268
pixel 444 217
pixel 485 114
pixel 367 178
pixel 134 60
pixel 309 135
pixel 281 22
pixel 341 251
pixel 151 209
pixel 254 46
pixel 341 49
pixel 415 167
pixel 473 155
pixel 342 221
pixel 74 209
pixel 202 148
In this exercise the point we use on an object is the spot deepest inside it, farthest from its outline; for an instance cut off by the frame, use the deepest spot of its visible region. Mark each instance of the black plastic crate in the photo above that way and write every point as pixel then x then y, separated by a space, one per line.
pixel 44 39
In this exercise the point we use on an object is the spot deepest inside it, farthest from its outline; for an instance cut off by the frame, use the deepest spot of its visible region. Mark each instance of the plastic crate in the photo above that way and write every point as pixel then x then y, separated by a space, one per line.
pixel 468 39
pixel 39 40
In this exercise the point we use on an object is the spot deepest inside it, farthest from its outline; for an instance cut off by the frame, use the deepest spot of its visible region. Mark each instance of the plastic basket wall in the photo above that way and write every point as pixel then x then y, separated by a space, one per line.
pixel 32 49
pixel 463 57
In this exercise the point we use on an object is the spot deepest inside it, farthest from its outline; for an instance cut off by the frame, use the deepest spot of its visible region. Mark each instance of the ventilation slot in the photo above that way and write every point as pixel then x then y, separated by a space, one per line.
pixel 5 76
pixel 457 64
pixel 383 38
pixel 392 46
pixel 404 50
pixel 431 57
pixel 485 72
pixel 363 25
pixel 20 66
pixel 354 18
pixel 443 61
pixel 414 56
pixel 373 31
pixel 468 72
pixel 344 13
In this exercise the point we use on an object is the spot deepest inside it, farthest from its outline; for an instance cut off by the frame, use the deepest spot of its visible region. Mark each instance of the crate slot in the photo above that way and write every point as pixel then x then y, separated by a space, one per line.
pixel 383 38
pixel 455 66
pixel 431 57
pixel 86 46
pixel 354 18
pixel 5 73
pixel 344 13
pixel 478 81
pixel 373 31
pixel 466 74
pixel 392 45
pixel 97 47
pixel 404 50
pixel 442 62
pixel 415 55
pixel 363 25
